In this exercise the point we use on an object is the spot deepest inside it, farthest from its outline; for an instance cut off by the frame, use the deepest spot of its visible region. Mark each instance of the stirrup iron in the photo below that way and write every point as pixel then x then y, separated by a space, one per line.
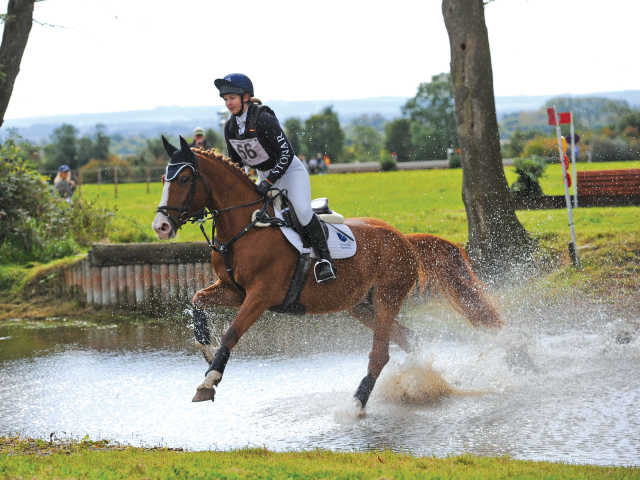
pixel 319 262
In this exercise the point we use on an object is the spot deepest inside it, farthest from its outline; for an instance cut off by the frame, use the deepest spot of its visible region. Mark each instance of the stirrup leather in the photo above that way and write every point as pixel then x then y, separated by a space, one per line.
pixel 332 274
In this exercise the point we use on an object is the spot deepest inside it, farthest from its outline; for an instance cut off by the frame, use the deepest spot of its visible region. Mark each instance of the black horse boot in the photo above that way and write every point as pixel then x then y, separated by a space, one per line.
pixel 323 269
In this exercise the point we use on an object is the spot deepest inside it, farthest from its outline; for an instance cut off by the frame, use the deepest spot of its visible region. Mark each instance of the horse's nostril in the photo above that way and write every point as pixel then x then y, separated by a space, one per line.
pixel 164 227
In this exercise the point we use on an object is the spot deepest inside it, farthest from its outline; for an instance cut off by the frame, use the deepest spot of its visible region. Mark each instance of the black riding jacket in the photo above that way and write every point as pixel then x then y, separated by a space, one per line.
pixel 275 154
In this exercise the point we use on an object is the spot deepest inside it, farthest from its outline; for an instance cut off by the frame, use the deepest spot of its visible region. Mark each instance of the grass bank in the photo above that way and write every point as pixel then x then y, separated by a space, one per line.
pixel 27 459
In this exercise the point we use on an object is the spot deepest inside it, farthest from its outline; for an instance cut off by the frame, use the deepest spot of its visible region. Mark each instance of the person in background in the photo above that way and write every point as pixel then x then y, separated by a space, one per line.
pixel 326 161
pixel 63 183
pixel 199 140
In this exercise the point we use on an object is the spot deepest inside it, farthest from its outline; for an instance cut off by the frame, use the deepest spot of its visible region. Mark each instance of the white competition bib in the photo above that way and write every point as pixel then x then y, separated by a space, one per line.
pixel 250 151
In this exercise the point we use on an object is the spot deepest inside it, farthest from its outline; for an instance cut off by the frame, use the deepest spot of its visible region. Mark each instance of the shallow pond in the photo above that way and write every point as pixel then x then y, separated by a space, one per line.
pixel 552 386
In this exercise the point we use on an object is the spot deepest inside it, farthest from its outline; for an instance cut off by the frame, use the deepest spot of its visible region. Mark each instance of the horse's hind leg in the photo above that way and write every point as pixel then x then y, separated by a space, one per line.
pixel 400 335
pixel 386 303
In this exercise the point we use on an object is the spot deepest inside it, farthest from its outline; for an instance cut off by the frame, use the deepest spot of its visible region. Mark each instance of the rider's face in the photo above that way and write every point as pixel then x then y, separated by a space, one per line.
pixel 233 102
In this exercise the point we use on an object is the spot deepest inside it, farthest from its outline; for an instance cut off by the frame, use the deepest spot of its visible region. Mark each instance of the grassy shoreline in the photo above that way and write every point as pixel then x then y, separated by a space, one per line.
pixel 28 458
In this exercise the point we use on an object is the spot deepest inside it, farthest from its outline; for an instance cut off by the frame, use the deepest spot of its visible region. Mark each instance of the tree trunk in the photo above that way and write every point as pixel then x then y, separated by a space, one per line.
pixel 17 25
pixel 497 240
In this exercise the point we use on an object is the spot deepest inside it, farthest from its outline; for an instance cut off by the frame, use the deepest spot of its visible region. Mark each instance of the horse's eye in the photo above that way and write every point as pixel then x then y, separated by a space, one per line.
pixel 184 179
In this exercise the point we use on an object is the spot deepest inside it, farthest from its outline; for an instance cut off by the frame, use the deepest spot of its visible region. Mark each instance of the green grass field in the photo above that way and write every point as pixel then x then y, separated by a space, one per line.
pixel 413 201
pixel 27 459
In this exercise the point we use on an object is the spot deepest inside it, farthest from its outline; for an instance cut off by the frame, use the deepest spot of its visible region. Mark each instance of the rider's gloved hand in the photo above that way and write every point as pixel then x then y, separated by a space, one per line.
pixel 263 187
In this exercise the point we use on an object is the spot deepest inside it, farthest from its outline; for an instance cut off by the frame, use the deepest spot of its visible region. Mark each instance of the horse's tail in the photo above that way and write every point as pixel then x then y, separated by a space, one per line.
pixel 446 267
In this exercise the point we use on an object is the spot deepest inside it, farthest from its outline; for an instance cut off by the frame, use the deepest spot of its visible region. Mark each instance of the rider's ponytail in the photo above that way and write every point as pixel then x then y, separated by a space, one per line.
pixel 255 100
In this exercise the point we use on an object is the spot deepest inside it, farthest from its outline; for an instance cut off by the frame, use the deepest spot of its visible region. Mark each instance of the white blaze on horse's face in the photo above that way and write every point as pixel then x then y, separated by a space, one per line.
pixel 161 224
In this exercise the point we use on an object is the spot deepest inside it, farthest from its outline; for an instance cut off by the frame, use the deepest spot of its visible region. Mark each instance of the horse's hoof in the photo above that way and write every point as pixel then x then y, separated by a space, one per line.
pixel 358 409
pixel 204 394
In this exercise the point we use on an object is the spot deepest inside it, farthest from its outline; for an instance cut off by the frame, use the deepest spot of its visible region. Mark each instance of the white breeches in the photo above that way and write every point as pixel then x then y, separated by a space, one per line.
pixel 296 182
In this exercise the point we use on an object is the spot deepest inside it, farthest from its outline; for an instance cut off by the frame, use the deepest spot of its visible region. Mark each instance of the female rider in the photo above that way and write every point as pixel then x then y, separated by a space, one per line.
pixel 255 138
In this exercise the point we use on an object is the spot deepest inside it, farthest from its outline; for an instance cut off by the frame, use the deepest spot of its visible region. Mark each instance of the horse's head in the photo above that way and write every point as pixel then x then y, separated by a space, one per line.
pixel 181 197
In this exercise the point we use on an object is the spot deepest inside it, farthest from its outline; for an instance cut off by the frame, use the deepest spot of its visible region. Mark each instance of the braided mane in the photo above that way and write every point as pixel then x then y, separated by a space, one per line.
pixel 213 155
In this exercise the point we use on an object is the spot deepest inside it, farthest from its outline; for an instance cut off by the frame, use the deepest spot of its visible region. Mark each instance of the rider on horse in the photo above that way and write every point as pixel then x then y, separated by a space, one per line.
pixel 255 138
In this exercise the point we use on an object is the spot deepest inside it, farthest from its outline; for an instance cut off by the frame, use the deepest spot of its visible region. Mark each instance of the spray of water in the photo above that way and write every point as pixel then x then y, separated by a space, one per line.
pixel 416 382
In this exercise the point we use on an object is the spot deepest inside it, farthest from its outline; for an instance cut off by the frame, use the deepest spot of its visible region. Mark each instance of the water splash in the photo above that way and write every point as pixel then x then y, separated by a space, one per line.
pixel 416 382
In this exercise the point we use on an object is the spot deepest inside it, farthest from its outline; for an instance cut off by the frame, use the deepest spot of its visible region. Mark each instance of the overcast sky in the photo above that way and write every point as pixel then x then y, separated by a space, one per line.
pixel 116 55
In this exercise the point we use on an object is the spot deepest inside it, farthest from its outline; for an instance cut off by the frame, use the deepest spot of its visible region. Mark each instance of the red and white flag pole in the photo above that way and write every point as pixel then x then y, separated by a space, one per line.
pixel 573 163
pixel 554 120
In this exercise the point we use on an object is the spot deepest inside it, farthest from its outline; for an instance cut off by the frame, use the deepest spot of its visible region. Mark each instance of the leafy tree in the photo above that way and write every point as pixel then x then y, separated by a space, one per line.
pixel 63 148
pixel 101 143
pixel 518 141
pixel 294 130
pixel 432 115
pixel 376 121
pixel 322 133
pixel 155 152
pixel 85 149
pixel 629 124
pixel 214 138
pixel 398 138
pixel 366 142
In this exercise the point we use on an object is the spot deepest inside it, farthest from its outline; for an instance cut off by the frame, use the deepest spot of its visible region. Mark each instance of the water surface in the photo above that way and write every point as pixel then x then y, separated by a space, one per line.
pixel 552 386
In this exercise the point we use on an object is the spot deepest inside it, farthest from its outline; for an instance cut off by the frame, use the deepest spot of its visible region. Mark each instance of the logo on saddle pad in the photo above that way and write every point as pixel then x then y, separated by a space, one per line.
pixel 342 236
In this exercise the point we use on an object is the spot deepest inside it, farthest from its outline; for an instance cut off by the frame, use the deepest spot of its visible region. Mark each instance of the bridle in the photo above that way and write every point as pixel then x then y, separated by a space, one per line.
pixel 206 213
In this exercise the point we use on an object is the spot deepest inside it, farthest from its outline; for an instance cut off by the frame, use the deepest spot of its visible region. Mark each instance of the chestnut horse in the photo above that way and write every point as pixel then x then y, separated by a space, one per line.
pixel 371 285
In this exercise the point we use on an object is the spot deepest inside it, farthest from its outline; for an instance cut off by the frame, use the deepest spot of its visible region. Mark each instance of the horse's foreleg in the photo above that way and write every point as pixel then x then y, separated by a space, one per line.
pixel 216 294
pixel 249 312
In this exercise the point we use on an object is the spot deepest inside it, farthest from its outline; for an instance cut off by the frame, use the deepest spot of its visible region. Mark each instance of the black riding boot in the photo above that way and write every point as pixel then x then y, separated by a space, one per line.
pixel 323 269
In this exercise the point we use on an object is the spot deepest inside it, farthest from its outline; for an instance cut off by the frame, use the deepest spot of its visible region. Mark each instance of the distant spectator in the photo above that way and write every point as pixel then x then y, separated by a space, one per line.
pixel 199 140
pixel 63 183
pixel 315 163
pixel 326 162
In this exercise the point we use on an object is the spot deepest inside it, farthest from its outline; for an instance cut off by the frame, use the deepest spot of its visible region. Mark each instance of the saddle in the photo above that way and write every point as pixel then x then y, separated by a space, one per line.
pixel 286 219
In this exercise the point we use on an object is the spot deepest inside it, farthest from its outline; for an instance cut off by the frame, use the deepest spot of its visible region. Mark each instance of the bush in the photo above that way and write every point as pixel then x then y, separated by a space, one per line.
pixel 36 224
pixel 387 163
pixel 541 147
pixel 611 150
pixel 529 171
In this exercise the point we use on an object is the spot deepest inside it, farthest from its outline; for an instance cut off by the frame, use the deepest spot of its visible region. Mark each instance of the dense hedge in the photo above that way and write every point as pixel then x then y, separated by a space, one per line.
pixel 35 223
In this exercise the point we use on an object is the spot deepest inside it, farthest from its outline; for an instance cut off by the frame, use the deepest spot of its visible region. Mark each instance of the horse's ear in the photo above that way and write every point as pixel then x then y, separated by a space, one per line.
pixel 168 147
pixel 184 146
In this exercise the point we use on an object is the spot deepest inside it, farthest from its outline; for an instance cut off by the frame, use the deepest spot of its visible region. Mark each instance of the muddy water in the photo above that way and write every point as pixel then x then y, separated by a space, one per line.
pixel 552 385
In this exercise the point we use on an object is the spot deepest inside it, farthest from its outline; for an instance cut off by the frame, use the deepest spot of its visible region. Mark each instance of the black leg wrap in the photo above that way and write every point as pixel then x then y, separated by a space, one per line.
pixel 220 360
pixel 200 327
pixel 364 389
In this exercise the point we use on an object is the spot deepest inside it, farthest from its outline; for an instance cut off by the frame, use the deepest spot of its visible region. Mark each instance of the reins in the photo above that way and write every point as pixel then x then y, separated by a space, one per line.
pixel 224 249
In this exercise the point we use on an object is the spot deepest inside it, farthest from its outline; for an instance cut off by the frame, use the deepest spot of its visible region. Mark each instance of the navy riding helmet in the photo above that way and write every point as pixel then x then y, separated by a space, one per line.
pixel 234 83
